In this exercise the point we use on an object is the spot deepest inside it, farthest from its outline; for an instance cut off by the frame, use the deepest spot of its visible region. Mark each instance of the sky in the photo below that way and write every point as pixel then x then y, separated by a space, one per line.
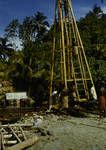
pixel 18 9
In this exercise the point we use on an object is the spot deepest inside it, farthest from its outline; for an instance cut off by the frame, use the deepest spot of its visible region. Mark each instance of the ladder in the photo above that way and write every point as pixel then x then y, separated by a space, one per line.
pixel 69 66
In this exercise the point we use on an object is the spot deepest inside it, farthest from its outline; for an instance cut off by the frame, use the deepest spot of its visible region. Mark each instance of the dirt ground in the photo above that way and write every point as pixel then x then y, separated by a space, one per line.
pixel 65 132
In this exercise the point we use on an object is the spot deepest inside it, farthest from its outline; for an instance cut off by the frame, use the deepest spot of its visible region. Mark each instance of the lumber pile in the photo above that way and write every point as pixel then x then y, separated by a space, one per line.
pixel 12 137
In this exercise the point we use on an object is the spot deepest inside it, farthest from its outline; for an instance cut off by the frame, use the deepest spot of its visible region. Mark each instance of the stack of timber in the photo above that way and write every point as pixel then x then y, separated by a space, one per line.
pixel 12 137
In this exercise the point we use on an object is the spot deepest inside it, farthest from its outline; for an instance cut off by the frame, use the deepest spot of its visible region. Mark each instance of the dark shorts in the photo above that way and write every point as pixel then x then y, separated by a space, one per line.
pixel 102 103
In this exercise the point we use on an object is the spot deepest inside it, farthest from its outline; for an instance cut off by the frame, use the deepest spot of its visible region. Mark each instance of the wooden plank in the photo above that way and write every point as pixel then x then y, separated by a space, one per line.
pixel 10 142
pixel 14 125
pixel 27 143
pixel 6 136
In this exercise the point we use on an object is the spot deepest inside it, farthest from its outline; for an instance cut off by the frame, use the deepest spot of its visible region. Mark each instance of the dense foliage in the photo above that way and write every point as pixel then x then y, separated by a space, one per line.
pixel 93 32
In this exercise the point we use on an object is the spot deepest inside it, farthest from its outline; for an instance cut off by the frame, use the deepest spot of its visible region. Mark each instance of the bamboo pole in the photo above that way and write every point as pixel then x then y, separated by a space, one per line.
pixel 65 99
pixel 52 61
pixel 81 44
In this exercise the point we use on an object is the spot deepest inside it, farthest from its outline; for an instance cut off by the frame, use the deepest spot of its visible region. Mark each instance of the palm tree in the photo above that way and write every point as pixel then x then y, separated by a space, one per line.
pixel 39 25
pixel 25 30
pixel 20 71
pixel 6 49
pixel 12 30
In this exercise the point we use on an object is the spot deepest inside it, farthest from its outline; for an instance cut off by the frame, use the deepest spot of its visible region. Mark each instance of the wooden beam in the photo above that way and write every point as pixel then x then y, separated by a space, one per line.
pixel 14 134
pixel 22 132
pixel 15 125
pixel 27 143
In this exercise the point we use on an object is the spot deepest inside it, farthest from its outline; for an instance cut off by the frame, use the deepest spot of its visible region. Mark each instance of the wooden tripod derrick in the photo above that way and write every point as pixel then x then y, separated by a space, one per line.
pixel 69 65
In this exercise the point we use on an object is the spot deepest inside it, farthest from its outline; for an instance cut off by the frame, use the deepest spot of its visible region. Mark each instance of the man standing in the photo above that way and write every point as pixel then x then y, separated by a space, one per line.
pixel 102 100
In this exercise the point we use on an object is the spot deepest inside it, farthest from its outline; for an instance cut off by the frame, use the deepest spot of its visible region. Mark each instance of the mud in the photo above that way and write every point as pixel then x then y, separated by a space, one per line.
pixel 64 132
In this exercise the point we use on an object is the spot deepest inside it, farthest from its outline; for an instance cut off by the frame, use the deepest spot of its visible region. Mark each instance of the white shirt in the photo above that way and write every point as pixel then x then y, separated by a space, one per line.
pixel 54 93
pixel 93 92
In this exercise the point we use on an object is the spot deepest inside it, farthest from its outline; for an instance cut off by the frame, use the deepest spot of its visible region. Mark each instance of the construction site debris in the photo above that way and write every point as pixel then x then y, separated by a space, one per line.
pixel 11 135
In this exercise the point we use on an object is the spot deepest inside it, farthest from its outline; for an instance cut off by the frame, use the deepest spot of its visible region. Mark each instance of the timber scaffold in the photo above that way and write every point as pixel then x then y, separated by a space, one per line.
pixel 69 65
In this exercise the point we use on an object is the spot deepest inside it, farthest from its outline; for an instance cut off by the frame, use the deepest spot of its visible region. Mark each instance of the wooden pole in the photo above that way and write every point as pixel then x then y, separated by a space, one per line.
pixel 65 99
pixel 52 61
pixel 22 132
pixel 14 134
pixel 25 144
pixel 2 141
pixel 16 125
